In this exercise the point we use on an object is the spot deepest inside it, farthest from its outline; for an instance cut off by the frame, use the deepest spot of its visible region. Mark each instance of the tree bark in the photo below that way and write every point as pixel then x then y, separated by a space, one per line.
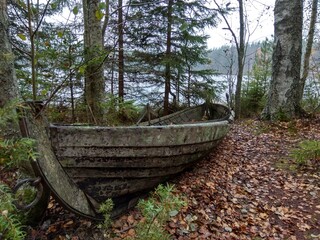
pixel 167 67
pixel 241 57
pixel 8 92
pixel 240 45
pixel 121 57
pixel 106 19
pixel 32 52
pixel 310 38
pixel 283 97
pixel 93 46
pixel 8 82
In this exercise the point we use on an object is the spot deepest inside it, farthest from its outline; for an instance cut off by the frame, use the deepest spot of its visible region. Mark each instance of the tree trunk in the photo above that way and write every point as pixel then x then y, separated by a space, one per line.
pixel 189 86
pixel 32 52
pixel 94 79
pixel 240 44
pixel 8 82
pixel 106 18
pixel 283 97
pixel 9 92
pixel 120 59
pixel 241 57
pixel 167 67
pixel 306 59
pixel 73 115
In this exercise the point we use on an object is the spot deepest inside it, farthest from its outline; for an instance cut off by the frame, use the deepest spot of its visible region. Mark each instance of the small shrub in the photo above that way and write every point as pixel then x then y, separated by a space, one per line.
pixel 253 98
pixel 156 211
pixel 311 96
pixel 120 111
pixel 311 103
pixel 254 92
pixel 8 114
pixel 10 223
pixel 15 152
pixel 307 150
pixel 105 209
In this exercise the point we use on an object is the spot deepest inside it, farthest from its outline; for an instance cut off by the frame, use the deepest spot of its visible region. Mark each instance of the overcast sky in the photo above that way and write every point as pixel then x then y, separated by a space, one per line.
pixel 260 18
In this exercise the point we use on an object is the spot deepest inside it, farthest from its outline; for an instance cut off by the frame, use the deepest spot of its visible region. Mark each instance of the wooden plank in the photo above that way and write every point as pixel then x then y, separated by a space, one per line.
pixel 101 188
pixel 183 116
pixel 137 136
pixel 123 172
pixel 128 162
pixel 63 188
pixel 123 152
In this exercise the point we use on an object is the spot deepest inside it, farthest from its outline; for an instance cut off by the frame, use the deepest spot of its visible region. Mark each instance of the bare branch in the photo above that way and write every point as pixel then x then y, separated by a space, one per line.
pixel 42 17
pixel 228 24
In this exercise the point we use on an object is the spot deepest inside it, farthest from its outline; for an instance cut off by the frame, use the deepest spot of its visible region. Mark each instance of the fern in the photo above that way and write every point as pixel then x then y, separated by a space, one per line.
pixel 10 224
pixel 14 152
pixel 8 113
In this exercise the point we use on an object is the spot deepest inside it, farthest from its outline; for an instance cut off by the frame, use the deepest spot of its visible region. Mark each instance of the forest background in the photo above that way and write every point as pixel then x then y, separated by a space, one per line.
pixel 140 52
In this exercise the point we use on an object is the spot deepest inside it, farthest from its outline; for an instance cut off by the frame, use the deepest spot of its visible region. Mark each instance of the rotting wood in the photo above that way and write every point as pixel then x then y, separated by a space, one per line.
pixel 62 187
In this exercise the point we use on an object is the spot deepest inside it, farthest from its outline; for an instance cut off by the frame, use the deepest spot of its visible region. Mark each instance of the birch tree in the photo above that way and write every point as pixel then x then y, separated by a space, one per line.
pixel 283 101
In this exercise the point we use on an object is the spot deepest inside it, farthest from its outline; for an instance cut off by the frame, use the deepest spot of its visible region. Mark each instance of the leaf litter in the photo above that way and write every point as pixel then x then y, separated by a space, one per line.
pixel 239 192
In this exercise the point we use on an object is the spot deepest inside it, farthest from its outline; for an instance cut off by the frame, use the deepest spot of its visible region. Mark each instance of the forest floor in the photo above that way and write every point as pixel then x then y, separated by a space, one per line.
pixel 248 188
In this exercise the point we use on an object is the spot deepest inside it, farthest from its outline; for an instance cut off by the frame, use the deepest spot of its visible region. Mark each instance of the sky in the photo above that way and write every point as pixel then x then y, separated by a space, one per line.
pixel 259 14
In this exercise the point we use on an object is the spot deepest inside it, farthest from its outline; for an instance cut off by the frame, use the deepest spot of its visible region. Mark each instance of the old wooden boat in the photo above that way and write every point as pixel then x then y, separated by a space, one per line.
pixel 96 163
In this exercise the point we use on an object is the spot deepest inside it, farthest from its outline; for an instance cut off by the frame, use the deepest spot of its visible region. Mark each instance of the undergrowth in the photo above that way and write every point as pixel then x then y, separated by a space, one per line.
pixel 156 211
pixel 105 209
pixel 306 151
pixel 11 227
pixel 120 112
pixel 15 152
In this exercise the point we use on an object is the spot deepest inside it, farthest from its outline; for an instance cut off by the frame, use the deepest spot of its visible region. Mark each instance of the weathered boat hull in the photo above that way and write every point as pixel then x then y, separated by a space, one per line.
pixel 122 162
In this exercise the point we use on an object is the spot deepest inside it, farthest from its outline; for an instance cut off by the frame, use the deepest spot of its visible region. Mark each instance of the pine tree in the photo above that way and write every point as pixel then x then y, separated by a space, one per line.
pixel 168 44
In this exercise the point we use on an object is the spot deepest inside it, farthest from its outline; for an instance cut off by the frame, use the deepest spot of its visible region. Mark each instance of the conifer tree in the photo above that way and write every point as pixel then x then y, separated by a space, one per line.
pixel 168 43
